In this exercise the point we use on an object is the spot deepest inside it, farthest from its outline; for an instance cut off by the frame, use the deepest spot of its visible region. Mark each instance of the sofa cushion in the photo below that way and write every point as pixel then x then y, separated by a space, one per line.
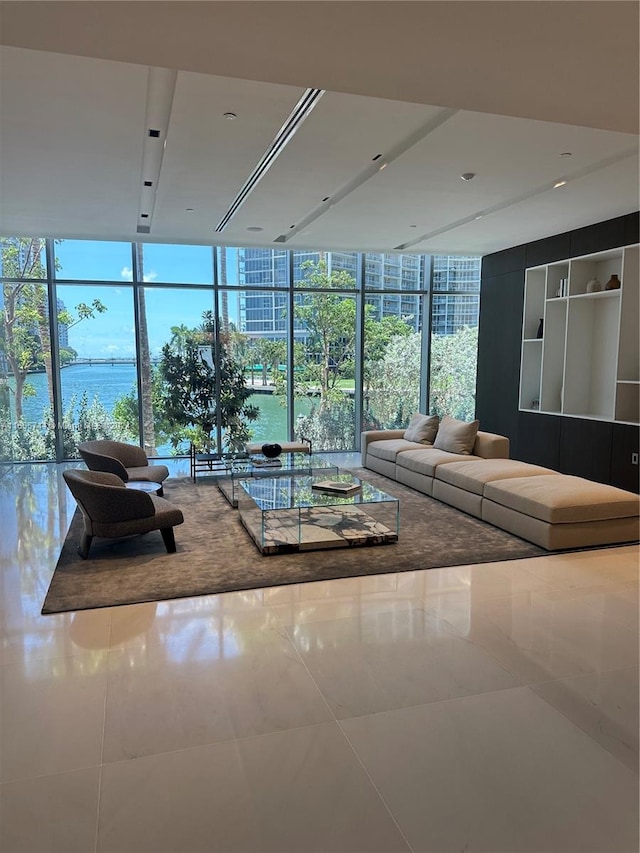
pixel 563 499
pixel 471 475
pixel 422 428
pixel 388 448
pixel 456 436
pixel 427 459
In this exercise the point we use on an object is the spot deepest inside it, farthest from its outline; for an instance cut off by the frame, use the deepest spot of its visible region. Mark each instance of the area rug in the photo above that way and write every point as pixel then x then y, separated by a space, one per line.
pixel 215 553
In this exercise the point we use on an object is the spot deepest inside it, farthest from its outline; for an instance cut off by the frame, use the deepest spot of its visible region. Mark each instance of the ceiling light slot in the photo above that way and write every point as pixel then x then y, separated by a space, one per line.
pixel 290 127
pixel 161 84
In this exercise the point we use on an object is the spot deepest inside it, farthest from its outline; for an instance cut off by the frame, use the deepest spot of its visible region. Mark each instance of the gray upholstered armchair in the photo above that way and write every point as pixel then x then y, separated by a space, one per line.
pixel 128 461
pixel 110 510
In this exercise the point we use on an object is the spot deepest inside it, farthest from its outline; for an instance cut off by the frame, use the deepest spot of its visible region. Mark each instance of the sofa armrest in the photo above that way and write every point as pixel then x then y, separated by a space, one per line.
pixel 491 446
pixel 377 435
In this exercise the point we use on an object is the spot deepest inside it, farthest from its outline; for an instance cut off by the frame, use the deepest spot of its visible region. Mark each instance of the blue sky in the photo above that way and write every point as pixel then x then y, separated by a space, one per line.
pixel 113 332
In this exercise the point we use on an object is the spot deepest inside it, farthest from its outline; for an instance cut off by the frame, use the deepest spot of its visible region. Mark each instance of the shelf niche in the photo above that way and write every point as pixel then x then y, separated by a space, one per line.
pixel 588 362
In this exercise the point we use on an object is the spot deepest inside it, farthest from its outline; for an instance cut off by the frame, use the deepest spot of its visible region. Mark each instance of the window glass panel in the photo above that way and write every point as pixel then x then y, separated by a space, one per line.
pixel 22 257
pixel 96 342
pixel 392 349
pixel 391 271
pixel 252 267
pixel 26 413
pixel 456 273
pixel 256 337
pixel 454 349
pixel 177 321
pixel 304 261
pixel 324 367
pixel 176 264
pixel 95 260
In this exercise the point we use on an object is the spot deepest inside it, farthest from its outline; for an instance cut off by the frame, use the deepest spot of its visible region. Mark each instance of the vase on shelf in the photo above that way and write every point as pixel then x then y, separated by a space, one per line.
pixel 540 329
pixel 613 283
pixel 594 286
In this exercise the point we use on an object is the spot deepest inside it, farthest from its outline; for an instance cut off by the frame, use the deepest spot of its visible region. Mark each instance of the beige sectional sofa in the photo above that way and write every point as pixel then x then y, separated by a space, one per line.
pixel 538 504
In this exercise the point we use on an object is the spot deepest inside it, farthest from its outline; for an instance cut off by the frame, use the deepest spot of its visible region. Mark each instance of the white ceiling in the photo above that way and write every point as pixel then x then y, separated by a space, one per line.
pixel 74 148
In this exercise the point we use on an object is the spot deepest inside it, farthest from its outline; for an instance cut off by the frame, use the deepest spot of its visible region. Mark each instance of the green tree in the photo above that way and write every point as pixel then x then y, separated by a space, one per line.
pixel 329 320
pixel 393 395
pixel 190 389
pixel 392 392
pixel 25 336
pixel 453 374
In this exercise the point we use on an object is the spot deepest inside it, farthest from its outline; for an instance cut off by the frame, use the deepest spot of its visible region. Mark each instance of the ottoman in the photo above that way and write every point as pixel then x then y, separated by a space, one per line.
pixel 462 484
pixel 562 511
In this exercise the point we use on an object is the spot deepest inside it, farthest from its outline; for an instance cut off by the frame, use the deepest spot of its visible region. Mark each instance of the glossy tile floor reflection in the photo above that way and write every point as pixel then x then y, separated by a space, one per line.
pixel 477 708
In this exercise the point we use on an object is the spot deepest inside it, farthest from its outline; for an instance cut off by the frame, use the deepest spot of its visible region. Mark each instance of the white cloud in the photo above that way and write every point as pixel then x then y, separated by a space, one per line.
pixel 127 274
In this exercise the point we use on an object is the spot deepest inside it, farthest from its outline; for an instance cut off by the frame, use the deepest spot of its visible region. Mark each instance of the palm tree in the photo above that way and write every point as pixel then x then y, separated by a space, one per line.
pixel 146 378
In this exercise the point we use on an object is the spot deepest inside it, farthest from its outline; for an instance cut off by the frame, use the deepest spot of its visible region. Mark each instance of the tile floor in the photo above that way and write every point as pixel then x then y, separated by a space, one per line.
pixel 478 708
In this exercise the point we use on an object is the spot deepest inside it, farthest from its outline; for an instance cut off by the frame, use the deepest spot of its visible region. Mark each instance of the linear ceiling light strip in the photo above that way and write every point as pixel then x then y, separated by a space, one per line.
pixel 161 88
pixel 370 171
pixel 293 123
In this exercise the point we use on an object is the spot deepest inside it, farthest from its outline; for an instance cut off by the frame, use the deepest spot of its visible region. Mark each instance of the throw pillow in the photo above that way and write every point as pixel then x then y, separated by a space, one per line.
pixel 422 428
pixel 456 436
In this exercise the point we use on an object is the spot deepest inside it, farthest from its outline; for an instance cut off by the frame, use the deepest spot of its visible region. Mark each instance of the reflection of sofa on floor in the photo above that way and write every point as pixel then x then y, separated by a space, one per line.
pixel 552 510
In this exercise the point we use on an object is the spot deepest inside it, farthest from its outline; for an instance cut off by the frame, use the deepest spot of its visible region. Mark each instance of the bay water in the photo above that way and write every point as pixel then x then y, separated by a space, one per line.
pixel 108 382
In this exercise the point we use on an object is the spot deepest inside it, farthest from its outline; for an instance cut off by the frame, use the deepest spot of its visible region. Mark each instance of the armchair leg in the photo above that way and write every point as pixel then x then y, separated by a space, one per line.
pixel 169 539
pixel 85 544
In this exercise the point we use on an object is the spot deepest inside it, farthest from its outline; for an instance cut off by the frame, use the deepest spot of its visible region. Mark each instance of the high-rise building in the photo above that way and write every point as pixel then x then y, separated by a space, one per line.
pixel 400 278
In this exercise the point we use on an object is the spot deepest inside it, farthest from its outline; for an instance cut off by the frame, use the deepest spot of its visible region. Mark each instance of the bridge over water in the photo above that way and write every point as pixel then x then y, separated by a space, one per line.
pixel 113 361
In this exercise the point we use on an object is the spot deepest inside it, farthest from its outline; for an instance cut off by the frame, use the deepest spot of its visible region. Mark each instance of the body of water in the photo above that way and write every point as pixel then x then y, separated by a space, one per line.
pixel 109 382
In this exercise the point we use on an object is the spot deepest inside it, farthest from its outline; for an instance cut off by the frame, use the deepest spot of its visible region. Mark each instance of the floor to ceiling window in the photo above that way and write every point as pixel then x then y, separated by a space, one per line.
pixel 168 345
pixel 454 336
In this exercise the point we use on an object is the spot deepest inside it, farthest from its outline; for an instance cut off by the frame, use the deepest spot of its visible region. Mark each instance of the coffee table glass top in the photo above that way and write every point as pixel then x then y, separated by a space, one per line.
pixel 292 492
pixel 284 514
pixel 259 467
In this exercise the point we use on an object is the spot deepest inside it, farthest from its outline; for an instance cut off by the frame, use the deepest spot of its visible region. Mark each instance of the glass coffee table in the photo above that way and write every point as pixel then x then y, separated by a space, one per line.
pixel 260 467
pixel 285 513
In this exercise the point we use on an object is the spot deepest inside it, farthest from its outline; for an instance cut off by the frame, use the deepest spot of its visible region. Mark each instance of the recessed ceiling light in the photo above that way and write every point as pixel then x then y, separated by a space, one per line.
pixel 566 154
pixel 148 183
pixel 188 209
pixel 479 216
pixel 559 183
pixel 384 166
pixel 254 228
pixel 154 133
pixel 229 116
pixel 467 176
pixel 144 216
pixel 326 198
pixel 377 157
pixel 413 226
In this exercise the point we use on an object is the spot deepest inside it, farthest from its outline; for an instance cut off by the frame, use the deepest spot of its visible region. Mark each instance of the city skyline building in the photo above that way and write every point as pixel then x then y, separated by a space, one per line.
pixel 403 278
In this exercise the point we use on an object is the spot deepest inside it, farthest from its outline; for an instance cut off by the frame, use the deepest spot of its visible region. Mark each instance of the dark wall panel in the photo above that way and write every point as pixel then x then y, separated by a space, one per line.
pixel 585 448
pixel 625 447
pixel 599 237
pixel 550 249
pixel 632 229
pixel 503 262
pixel 499 355
pixel 538 440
